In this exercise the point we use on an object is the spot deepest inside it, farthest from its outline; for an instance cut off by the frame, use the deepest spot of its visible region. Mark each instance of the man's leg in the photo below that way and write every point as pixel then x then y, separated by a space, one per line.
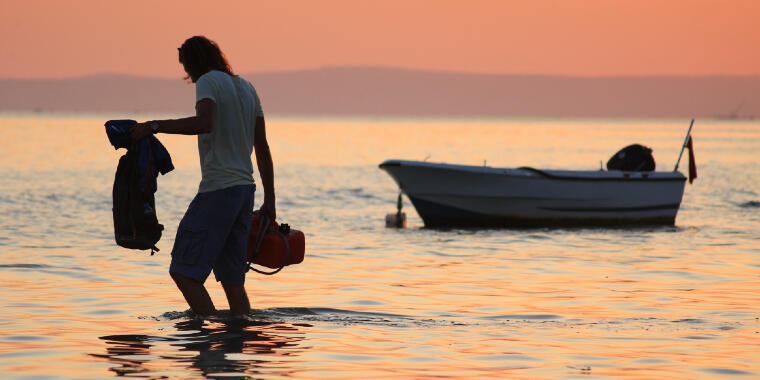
pixel 195 294
pixel 237 298
pixel 231 266
pixel 201 237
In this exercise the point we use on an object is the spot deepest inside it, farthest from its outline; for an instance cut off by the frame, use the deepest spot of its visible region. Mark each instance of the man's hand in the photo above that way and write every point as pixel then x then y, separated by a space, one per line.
pixel 268 209
pixel 139 131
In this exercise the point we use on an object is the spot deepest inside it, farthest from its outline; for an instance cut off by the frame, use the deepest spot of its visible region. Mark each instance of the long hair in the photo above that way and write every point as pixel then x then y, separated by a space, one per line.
pixel 200 55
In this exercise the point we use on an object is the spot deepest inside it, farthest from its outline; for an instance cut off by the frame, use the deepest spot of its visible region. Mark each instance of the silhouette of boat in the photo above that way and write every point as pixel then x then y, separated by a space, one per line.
pixel 447 195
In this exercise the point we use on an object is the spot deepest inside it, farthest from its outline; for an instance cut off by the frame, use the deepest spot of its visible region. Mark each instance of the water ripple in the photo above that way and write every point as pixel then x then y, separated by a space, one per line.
pixel 750 204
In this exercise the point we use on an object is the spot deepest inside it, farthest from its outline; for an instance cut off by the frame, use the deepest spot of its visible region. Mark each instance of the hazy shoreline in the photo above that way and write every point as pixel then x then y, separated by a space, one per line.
pixel 381 92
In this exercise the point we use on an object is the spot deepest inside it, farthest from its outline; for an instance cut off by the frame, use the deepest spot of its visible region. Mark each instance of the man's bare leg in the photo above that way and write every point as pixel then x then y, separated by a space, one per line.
pixel 195 295
pixel 237 298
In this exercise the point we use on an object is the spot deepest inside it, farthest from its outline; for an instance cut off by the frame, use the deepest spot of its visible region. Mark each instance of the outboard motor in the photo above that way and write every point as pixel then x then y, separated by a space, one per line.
pixel 633 158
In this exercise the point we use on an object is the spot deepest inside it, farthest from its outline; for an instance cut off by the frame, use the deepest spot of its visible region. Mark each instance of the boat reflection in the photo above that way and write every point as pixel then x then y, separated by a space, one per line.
pixel 232 348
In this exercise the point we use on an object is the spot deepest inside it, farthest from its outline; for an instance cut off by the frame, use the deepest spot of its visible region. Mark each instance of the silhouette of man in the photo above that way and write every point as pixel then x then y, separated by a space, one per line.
pixel 229 122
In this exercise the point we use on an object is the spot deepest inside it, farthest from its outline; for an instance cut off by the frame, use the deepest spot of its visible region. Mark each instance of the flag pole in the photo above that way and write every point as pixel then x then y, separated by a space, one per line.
pixel 685 141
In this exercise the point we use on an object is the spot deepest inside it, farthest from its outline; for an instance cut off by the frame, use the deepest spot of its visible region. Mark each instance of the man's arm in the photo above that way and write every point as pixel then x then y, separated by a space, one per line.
pixel 202 122
pixel 266 168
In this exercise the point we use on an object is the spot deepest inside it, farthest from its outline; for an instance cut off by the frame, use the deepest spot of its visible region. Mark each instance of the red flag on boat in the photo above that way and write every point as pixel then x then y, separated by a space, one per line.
pixel 692 162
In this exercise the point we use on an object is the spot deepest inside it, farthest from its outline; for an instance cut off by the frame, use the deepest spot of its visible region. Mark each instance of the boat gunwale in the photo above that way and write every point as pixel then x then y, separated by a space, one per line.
pixel 547 174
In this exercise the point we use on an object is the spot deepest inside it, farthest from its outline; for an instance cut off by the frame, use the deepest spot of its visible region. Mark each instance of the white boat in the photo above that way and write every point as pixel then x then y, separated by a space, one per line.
pixel 447 195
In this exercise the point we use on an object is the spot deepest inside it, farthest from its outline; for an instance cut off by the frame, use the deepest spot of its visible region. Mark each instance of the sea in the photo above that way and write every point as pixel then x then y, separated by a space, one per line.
pixel 370 302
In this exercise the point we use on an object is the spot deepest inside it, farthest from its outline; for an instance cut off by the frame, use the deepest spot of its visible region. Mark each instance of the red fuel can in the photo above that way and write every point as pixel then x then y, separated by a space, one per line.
pixel 273 252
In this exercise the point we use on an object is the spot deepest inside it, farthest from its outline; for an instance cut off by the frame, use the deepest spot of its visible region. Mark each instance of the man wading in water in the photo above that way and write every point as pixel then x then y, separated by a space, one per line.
pixel 229 122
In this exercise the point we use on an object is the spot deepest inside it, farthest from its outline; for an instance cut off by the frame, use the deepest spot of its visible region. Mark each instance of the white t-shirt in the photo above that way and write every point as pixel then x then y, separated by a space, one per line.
pixel 225 153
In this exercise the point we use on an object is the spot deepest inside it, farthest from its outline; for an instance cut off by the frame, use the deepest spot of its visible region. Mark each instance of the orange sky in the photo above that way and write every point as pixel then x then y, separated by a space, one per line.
pixel 46 39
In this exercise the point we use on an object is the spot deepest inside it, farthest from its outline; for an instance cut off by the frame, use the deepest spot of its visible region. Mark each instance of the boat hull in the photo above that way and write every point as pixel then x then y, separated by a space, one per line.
pixel 459 195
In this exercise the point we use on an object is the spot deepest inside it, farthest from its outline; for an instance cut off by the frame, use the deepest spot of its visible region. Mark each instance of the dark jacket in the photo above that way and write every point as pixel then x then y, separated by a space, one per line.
pixel 152 157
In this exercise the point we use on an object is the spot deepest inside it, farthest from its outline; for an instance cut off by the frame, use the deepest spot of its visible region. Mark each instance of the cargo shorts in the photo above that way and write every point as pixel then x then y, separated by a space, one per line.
pixel 213 235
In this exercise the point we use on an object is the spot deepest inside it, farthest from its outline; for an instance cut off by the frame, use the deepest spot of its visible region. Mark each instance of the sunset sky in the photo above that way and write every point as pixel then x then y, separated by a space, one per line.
pixel 56 39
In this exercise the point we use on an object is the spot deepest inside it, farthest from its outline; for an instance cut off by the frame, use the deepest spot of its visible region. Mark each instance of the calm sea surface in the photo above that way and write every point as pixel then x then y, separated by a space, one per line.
pixel 371 302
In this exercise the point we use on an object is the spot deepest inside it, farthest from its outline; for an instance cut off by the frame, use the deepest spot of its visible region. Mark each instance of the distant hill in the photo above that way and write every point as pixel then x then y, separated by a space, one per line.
pixel 399 92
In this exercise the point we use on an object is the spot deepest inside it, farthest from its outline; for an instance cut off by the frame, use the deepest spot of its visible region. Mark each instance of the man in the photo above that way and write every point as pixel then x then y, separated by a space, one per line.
pixel 229 122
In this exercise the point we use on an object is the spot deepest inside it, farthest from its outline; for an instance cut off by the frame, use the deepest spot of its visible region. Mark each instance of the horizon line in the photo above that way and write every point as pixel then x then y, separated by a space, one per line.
pixel 390 68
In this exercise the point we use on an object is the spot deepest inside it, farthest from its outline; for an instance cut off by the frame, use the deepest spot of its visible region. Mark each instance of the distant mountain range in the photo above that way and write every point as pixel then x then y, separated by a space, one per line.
pixel 378 91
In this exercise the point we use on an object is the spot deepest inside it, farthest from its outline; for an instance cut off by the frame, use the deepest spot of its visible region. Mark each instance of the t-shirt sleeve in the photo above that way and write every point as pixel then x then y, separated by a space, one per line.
pixel 258 111
pixel 204 89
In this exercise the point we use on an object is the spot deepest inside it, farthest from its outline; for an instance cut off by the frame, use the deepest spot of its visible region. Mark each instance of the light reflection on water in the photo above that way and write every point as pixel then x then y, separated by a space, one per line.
pixel 645 302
